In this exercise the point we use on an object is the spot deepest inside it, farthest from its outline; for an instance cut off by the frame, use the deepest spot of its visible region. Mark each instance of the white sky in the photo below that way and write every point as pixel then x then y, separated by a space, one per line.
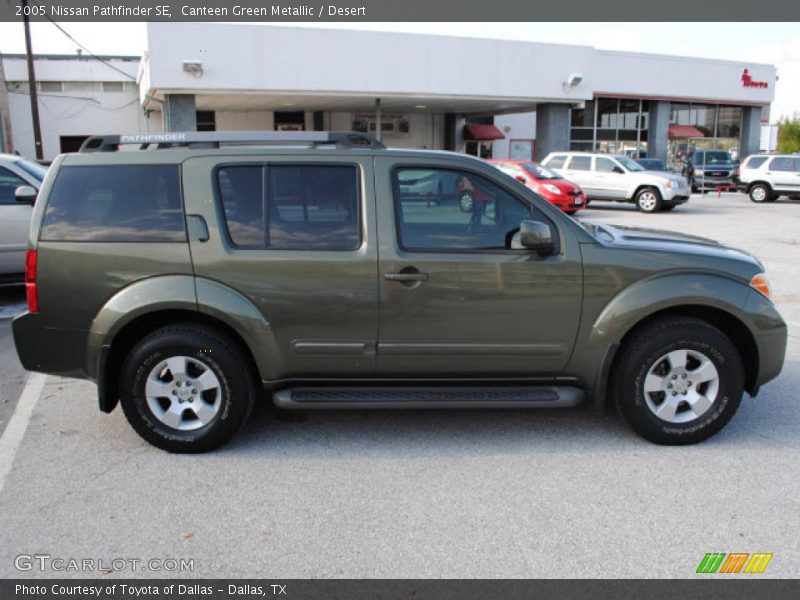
pixel 774 43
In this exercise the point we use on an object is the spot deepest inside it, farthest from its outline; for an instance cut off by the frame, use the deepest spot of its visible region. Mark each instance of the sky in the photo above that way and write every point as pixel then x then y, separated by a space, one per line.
pixel 773 43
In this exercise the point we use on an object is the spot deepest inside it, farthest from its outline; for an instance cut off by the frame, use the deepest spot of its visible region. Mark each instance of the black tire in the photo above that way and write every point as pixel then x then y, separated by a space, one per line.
pixel 648 200
pixel 646 349
pixel 794 197
pixel 760 193
pixel 570 212
pixel 201 344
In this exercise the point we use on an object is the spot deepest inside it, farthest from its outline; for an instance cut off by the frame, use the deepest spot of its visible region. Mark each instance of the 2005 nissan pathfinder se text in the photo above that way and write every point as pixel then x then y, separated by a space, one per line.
pixel 191 274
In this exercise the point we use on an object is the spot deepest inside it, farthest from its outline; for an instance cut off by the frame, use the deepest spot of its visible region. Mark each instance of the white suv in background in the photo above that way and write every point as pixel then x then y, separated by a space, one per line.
pixel 765 177
pixel 618 178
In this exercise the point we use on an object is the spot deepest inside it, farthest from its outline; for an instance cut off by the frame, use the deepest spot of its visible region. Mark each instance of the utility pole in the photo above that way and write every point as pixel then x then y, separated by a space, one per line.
pixel 6 143
pixel 37 132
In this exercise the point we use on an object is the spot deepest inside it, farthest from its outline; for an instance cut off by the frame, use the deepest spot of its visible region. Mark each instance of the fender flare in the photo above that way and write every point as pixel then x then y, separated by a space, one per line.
pixel 653 295
pixel 186 293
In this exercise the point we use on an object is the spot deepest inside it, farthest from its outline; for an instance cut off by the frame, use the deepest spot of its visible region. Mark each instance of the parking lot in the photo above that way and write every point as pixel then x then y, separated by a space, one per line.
pixel 484 494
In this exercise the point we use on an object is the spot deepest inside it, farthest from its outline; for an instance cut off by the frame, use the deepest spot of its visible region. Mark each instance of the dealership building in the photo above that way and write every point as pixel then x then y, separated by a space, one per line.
pixel 500 98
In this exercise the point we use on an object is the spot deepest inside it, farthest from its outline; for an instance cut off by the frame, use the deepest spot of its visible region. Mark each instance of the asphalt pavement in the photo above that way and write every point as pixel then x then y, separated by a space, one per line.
pixel 494 494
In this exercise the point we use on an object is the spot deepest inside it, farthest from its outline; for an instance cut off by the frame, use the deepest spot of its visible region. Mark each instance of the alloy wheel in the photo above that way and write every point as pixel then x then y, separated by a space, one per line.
pixel 183 393
pixel 681 386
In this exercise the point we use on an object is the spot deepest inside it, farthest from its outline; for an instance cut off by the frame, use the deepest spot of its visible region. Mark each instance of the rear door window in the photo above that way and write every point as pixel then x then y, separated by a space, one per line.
pixel 783 163
pixel 126 203
pixel 291 207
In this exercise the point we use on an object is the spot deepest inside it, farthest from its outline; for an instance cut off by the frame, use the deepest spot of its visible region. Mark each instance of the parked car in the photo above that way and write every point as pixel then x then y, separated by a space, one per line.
pixel 712 169
pixel 652 164
pixel 190 279
pixel 618 178
pixel 766 177
pixel 567 196
pixel 20 180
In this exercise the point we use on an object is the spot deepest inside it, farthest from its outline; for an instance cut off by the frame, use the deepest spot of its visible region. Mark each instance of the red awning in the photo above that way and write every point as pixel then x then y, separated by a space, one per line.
pixel 482 133
pixel 684 131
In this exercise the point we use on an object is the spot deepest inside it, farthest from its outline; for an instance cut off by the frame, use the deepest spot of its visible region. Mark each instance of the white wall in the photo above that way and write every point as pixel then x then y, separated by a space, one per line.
pixel 426 130
pixel 515 126
pixel 360 62
pixel 82 108
pixel 270 58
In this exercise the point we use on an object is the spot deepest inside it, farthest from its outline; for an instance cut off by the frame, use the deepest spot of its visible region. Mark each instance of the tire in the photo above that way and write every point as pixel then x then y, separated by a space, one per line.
pixel 466 202
pixel 648 200
pixel 794 197
pixel 687 417
pixel 760 192
pixel 570 212
pixel 208 388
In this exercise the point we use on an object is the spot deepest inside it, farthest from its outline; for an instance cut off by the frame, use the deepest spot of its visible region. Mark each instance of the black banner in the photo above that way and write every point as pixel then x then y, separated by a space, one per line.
pixel 405 10
pixel 399 589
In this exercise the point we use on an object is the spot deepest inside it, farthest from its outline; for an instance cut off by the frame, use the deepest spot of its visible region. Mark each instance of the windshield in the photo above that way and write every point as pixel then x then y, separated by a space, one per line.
pixel 538 172
pixel 715 158
pixel 32 169
pixel 629 164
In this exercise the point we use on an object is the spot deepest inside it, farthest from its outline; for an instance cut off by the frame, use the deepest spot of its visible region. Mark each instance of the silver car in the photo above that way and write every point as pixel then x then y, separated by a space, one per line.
pixel 20 180
pixel 618 178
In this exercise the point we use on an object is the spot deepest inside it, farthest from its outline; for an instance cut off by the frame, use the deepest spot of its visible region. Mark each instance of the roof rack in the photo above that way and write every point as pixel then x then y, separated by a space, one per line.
pixel 215 139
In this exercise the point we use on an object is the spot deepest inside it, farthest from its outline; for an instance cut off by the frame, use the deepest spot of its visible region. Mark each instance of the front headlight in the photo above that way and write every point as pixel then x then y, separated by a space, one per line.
pixel 551 188
pixel 698 172
pixel 760 283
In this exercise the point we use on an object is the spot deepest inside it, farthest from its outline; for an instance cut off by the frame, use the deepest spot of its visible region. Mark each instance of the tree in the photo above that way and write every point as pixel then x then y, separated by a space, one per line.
pixel 789 135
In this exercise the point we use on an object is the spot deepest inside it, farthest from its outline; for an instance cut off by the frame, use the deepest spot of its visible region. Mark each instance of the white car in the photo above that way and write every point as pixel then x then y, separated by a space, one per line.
pixel 20 180
pixel 765 177
pixel 618 178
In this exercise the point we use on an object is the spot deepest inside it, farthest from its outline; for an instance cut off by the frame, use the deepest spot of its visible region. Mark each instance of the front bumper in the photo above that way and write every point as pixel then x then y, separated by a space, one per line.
pixel 770 334
pixel 712 182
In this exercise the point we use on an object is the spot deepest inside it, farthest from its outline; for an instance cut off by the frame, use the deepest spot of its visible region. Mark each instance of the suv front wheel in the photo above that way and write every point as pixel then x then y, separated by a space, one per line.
pixel 648 200
pixel 678 381
pixel 186 388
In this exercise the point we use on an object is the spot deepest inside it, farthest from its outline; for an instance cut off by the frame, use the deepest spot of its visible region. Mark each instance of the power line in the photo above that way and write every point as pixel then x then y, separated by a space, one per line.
pixel 81 46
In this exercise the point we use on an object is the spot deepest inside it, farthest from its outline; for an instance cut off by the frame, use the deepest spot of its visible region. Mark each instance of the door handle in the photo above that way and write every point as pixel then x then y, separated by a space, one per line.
pixel 406 277
pixel 198 227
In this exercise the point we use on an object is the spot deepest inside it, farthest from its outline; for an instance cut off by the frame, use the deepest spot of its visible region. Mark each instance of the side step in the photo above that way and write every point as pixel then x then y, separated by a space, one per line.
pixel 429 397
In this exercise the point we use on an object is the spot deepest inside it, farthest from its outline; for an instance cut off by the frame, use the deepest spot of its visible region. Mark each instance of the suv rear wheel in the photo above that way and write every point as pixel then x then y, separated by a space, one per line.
pixel 186 388
pixel 760 192
pixel 648 200
pixel 678 381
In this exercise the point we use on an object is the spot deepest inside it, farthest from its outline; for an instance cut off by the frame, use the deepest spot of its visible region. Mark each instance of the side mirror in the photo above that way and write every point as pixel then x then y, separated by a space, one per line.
pixel 537 236
pixel 619 170
pixel 25 194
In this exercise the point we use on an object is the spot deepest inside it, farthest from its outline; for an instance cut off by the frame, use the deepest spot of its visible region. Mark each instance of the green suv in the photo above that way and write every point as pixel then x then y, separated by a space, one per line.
pixel 191 275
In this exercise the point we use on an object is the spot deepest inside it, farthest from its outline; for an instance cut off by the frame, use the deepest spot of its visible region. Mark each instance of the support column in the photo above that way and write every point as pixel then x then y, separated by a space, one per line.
pixel 180 113
pixel 552 129
pixel 378 129
pixel 750 142
pixel 658 130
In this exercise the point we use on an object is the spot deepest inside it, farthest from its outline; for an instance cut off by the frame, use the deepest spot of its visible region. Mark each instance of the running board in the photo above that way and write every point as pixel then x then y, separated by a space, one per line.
pixel 428 397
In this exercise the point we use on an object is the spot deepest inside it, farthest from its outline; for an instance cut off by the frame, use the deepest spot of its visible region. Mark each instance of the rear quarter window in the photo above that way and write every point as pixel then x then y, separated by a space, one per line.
pixel 130 203
pixel 557 162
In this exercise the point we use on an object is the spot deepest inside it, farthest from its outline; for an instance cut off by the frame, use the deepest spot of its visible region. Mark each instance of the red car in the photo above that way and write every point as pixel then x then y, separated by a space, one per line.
pixel 564 194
